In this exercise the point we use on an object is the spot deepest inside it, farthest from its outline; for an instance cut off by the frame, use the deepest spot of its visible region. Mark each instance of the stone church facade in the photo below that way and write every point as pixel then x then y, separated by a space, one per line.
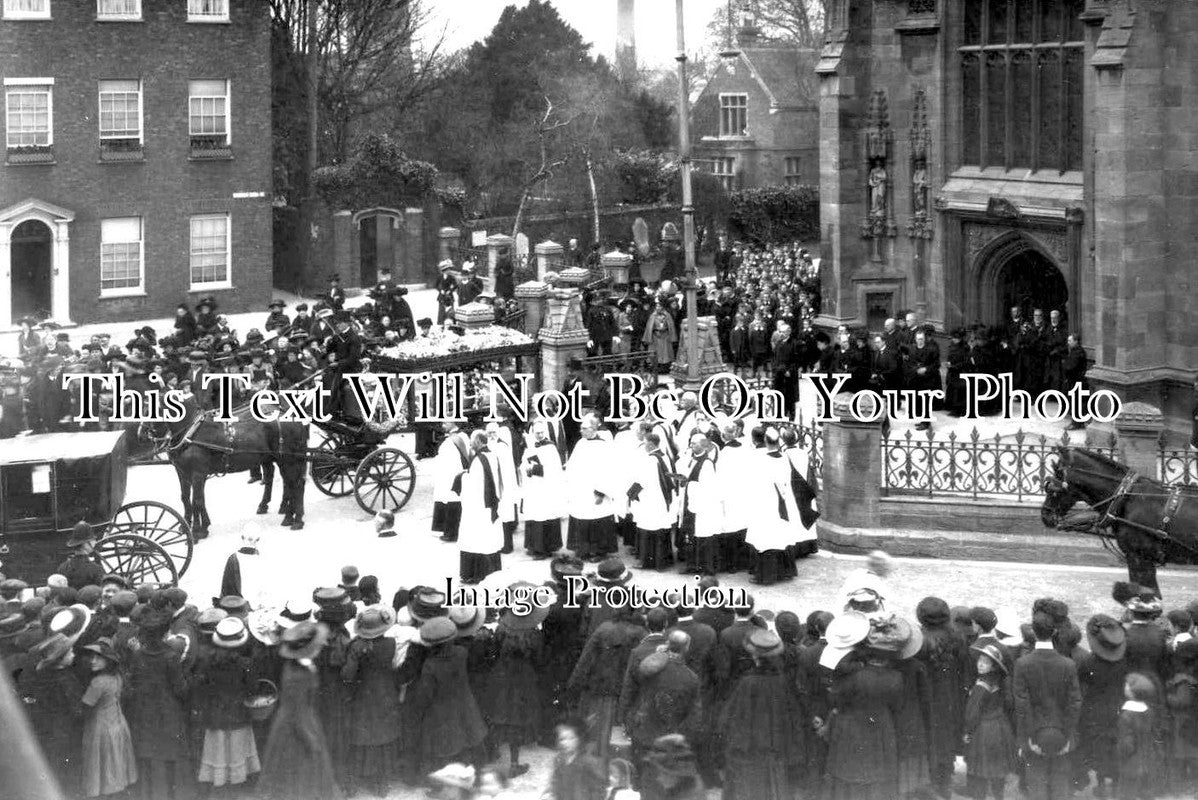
pixel 982 154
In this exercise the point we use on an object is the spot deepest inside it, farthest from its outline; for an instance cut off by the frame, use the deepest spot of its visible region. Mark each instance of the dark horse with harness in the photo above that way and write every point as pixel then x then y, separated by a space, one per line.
pixel 199 447
pixel 1150 524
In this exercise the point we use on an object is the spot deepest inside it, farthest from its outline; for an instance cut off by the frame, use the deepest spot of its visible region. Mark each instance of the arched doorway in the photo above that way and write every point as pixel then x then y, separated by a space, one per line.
pixel 1029 280
pixel 31 254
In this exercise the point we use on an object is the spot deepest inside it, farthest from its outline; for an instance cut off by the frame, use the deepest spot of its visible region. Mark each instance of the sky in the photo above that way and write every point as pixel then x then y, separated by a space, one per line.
pixel 467 21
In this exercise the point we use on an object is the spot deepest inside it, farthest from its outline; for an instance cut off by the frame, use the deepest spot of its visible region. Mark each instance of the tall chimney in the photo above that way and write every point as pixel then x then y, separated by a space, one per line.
pixel 626 40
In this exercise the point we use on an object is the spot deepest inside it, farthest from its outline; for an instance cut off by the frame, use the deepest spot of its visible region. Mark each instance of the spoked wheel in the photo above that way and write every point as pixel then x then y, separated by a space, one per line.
pixel 159 523
pixel 136 558
pixel 384 480
pixel 332 473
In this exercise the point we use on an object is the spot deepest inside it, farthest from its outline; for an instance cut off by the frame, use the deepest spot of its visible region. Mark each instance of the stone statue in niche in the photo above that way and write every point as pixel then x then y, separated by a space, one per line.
pixel 877 190
pixel 919 190
pixel 919 226
pixel 878 223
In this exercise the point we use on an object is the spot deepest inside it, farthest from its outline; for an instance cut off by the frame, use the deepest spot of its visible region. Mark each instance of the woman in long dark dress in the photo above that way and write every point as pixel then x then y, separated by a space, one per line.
pixel 513 701
pixel 946 658
pixel 577 774
pixel 913 722
pixel 1100 675
pixel 374 715
pixel 53 698
pixel 296 764
pixel 155 694
pixel 333 706
pixel 989 731
pixel 763 727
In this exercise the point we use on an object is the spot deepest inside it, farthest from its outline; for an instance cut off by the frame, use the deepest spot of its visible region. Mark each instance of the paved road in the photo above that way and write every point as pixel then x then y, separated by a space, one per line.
pixel 339 533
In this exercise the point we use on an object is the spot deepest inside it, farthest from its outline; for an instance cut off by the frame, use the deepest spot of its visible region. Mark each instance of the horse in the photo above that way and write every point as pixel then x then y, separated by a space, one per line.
pixel 1150 523
pixel 199 447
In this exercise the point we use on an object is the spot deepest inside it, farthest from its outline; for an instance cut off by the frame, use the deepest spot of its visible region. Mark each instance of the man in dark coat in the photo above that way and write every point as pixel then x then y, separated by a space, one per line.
pixel 732 660
pixel 471 286
pixel 922 369
pixel 276 320
pixel 1073 370
pixel 401 311
pixel 665 697
pixel 701 659
pixel 1056 346
pixel 885 367
pixel 81 568
pixel 656 622
pixel 1047 707
pixel 785 364
pixel 601 325
pixel 335 294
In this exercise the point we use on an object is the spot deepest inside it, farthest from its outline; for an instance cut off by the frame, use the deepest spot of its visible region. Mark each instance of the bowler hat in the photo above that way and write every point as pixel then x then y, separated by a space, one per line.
pixel 437 631
pixel 303 640
pixel 230 633
pixel 1106 637
pixel 80 534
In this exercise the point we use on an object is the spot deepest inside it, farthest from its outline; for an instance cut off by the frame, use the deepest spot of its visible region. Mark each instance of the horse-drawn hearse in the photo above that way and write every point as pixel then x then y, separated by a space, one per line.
pixel 50 481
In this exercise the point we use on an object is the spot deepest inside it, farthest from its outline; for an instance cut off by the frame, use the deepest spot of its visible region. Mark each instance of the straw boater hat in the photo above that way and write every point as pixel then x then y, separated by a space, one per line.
pixel 425 604
pixel 1106 637
pixel 296 610
pixel 230 633
pixel 468 619
pixel 209 618
pixel 532 617
pixel 303 641
pixel 373 622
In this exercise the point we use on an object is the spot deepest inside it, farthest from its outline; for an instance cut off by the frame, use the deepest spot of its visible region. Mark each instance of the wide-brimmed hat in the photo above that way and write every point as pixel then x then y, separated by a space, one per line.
pixel 534 614
pixel 373 622
pixel 333 604
pixel 894 636
pixel 304 640
pixel 437 631
pixel 230 633
pixel 613 572
pixel 81 534
pixel 1106 637
pixel 51 650
pixel 764 643
pixel 296 610
pixel 70 622
pixel 459 776
pixel 426 604
pixel 209 618
pixel 843 634
pixel 234 604
pixel 991 651
pixel 468 619
pixel 1144 604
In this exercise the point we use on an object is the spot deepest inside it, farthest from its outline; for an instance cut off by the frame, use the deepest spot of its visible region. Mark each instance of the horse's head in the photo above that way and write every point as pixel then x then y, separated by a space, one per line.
pixel 1059 495
pixel 161 431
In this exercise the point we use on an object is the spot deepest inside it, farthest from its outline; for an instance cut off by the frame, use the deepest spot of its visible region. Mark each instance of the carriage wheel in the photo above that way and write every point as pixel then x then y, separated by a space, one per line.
pixel 385 479
pixel 159 523
pixel 137 558
pixel 331 472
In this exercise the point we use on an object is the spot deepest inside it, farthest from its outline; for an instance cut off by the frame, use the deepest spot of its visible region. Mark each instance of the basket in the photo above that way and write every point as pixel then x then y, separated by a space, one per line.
pixel 261 704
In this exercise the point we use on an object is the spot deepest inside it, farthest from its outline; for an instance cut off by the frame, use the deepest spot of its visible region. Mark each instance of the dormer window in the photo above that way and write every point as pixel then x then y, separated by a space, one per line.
pixel 734 115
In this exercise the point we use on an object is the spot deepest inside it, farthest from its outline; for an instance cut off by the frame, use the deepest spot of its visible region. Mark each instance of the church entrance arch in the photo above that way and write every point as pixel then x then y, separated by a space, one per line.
pixel 1015 272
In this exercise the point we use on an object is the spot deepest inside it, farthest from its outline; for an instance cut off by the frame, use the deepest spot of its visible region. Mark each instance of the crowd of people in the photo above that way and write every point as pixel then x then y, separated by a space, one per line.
pixel 140 689
pixel 705 495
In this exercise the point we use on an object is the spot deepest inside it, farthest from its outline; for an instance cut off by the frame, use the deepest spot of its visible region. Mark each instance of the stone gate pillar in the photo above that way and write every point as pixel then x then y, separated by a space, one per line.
pixel 852 472
pixel 563 335
pixel 448 239
pixel 1139 429
pixel 531 296
pixel 616 265
pixel 549 258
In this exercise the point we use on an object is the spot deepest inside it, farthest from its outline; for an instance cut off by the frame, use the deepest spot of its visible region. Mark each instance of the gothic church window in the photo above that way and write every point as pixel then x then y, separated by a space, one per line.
pixel 1021 69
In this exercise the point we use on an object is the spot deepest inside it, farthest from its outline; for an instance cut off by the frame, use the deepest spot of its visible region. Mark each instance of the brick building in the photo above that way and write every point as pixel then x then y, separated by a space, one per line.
pixel 756 122
pixel 982 154
pixel 137 168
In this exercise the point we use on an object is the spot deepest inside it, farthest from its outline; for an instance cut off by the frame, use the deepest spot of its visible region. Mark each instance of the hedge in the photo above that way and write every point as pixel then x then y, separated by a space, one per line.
pixel 774 214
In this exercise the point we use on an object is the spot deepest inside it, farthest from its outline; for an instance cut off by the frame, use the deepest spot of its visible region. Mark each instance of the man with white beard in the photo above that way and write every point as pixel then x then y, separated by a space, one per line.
pixel 591 474
pixel 738 468
pixel 653 499
pixel 499 441
pixel 542 500
pixel 481 536
pixel 771 529
pixel 453 456
pixel 703 517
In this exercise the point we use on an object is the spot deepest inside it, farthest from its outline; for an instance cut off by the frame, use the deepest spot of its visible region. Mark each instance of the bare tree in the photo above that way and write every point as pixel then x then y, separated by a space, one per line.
pixel 545 130
pixel 798 21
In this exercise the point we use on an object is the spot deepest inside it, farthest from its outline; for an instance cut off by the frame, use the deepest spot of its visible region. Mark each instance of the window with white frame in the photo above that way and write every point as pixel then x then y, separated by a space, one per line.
pixel 27 9
pixel 121 264
pixel 118 9
pixel 725 170
pixel 793 175
pixel 29 115
pixel 120 113
pixel 734 115
pixel 208 113
pixel 207 10
pixel 210 250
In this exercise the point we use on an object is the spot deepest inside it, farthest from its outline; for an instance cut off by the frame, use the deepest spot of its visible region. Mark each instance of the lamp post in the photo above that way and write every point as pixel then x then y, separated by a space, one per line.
pixel 691 280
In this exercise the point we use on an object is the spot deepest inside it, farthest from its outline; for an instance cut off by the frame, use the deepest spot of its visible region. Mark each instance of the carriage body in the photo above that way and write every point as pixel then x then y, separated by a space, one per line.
pixel 50 481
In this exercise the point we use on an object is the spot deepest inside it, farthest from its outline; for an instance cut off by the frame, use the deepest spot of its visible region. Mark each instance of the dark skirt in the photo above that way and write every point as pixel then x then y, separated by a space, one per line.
pixel 476 566
pixel 542 538
pixel 591 538
pixel 654 548
pixel 759 777
pixel 772 566
pixel 627 531
pixel 803 549
pixel 842 790
pixel 913 774
pixel 447 517
pixel 376 763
